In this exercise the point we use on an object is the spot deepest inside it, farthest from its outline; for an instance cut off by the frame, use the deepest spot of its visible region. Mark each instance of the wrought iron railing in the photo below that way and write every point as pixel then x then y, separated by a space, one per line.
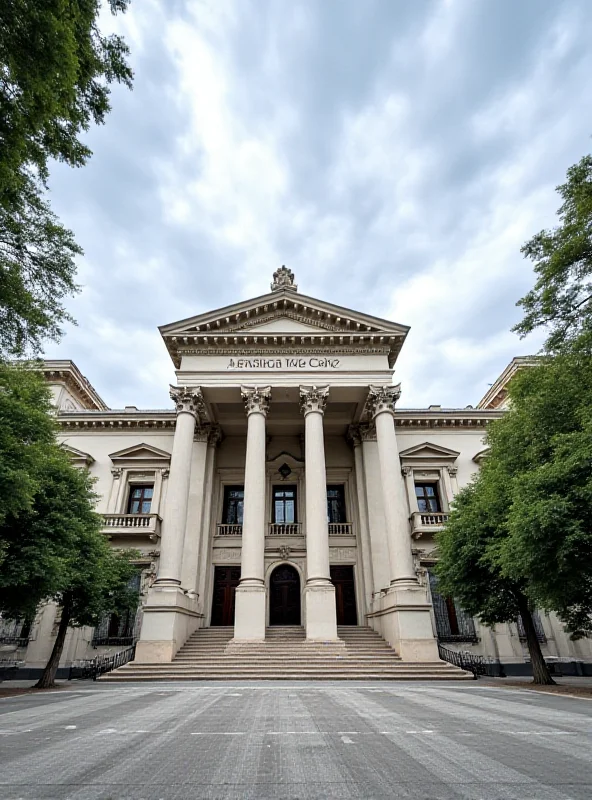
pixel 14 632
pixel 92 668
pixel 340 529
pixel 465 660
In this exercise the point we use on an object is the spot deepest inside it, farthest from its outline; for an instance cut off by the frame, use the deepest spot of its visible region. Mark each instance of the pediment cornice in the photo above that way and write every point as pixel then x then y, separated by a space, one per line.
pixel 235 326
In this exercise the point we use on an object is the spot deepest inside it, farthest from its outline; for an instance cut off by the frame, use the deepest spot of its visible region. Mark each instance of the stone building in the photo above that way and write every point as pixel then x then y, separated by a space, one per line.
pixel 287 486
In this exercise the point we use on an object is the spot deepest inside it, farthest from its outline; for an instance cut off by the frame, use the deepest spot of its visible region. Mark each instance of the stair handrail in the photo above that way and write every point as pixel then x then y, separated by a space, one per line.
pixel 92 668
pixel 471 662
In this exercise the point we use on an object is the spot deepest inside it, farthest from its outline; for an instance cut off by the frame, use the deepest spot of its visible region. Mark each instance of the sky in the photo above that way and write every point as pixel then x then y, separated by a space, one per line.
pixel 395 154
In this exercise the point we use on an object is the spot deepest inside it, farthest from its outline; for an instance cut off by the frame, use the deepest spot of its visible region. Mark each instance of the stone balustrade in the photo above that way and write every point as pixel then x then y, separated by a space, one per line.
pixel 126 525
pixel 424 522
pixel 340 529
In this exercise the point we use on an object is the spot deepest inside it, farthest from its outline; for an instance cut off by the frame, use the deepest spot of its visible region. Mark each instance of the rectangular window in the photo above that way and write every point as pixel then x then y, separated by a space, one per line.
pixel 234 501
pixel 140 499
pixel 453 624
pixel 284 504
pixel 427 497
pixel 336 504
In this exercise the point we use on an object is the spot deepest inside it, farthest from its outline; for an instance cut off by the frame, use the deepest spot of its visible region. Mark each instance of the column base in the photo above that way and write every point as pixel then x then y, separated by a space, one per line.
pixel 249 612
pixel 403 618
pixel 321 614
pixel 169 618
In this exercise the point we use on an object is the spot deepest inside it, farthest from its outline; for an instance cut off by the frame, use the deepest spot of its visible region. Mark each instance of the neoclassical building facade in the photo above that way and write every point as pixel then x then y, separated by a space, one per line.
pixel 287 486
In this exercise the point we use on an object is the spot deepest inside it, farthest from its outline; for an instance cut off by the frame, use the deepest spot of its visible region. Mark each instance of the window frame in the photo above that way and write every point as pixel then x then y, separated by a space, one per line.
pixel 426 498
pixel 134 487
pixel 282 487
pixel 227 501
pixel 341 501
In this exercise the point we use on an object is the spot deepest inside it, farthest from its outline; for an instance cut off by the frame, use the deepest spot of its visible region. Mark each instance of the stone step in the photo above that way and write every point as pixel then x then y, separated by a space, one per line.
pixel 324 668
pixel 283 675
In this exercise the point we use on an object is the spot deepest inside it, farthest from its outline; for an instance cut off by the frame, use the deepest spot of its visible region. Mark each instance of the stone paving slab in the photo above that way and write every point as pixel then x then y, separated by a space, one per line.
pixel 426 741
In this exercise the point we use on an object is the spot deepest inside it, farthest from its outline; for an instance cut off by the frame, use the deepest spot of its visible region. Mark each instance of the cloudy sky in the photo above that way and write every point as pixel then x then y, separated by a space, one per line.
pixel 395 154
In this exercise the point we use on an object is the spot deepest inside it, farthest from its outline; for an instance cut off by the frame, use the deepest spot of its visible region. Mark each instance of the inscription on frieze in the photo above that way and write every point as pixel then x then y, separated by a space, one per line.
pixel 284 362
pixel 342 553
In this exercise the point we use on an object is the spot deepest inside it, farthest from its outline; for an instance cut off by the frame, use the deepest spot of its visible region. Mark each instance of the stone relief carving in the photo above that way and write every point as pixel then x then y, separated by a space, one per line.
pixel 342 553
pixel 188 399
pixel 313 398
pixel 368 432
pixel 117 472
pixel 228 554
pixel 284 551
pixel 256 398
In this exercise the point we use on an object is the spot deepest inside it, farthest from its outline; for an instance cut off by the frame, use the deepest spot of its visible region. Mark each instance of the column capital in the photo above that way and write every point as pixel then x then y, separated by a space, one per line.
pixel 189 400
pixel 214 435
pixel 354 435
pixel 202 433
pixel 256 399
pixel 452 471
pixel 406 471
pixel 313 398
pixel 367 431
pixel 383 398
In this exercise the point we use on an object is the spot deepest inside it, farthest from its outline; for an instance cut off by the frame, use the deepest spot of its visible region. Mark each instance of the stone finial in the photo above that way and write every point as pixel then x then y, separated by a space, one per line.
pixel 382 398
pixel 313 398
pixel 190 400
pixel 283 278
pixel 256 398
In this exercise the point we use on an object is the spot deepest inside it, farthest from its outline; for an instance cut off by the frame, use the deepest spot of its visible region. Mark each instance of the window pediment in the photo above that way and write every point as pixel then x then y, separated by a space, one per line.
pixel 78 457
pixel 428 454
pixel 141 455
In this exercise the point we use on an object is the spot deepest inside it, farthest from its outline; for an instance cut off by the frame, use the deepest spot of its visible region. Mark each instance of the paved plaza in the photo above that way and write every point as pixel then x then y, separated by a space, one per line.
pixel 284 740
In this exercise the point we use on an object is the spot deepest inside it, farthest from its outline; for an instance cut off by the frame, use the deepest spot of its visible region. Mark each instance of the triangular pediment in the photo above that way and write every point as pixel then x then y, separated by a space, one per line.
pixel 429 452
pixel 141 453
pixel 78 456
pixel 283 317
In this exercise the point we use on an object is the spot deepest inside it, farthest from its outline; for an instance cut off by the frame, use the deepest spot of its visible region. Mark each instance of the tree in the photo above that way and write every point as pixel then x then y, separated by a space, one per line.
pixel 521 533
pixel 27 436
pixel 56 69
pixel 561 299
pixel 55 551
pixel 469 564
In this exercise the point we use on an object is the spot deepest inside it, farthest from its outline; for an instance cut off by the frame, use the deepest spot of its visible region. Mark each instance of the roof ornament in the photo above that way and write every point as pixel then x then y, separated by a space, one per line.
pixel 283 278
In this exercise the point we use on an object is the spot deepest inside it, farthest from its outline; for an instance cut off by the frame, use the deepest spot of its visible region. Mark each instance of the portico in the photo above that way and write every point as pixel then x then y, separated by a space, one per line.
pixel 291 385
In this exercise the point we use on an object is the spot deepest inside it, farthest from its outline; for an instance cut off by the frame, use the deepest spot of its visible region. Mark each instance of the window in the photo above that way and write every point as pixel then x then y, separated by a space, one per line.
pixel 234 500
pixel 284 504
pixel 453 624
pixel 538 626
pixel 140 499
pixel 124 629
pixel 427 497
pixel 336 504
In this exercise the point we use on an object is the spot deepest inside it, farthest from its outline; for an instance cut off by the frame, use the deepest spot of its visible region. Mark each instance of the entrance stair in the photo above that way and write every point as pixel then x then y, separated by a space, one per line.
pixel 361 654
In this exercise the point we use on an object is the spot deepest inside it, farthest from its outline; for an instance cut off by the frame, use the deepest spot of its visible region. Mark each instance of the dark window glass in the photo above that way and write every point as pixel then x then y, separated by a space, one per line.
pixel 427 497
pixel 140 499
pixel 336 504
pixel 234 500
pixel 284 504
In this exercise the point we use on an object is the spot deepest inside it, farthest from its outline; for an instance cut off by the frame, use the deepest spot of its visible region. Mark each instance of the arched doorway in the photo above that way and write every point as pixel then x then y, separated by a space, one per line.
pixel 284 596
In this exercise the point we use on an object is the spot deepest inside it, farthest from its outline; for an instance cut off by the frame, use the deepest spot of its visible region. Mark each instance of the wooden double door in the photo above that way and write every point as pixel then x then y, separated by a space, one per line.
pixel 226 580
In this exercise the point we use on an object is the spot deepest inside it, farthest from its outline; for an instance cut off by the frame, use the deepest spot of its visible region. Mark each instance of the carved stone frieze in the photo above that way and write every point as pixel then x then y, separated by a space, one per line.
pixel 228 554
pixel 342 553
pixel 256 399
pixel 189 400
pixel 382 398
pixel 313 398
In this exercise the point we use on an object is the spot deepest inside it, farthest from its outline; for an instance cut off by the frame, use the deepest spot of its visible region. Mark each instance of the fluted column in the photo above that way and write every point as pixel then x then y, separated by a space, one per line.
pixel 381 403
pixel 249 620
pixel 356 439
pixel 193 530
pixel 189 404
pixel 321 617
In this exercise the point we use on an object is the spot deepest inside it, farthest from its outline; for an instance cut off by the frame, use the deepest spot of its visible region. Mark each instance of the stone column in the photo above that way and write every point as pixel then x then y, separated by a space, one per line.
pixel 405 609
pixel 195 511
pixel 188 402
pixel 356 439
pixel 319 593
pixel 382 401
pixel 249 615
pixel 170 615
pixel 214 437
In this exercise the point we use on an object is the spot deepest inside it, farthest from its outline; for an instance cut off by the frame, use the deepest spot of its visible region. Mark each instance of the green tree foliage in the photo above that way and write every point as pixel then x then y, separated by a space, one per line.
pixel 521 534
pixel 51 547
pixel 55 74
pixel 27 436
pixel 561 299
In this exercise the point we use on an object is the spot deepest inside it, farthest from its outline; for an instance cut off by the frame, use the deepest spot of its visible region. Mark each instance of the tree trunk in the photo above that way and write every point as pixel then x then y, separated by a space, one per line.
pixel 540 671
pixel 47 679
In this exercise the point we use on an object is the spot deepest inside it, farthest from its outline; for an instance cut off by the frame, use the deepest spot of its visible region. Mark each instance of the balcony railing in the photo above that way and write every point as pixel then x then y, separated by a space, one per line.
pixel 422 522
pixel 340 529
pixel 223 529
pixel 284 529
pixel 125 525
